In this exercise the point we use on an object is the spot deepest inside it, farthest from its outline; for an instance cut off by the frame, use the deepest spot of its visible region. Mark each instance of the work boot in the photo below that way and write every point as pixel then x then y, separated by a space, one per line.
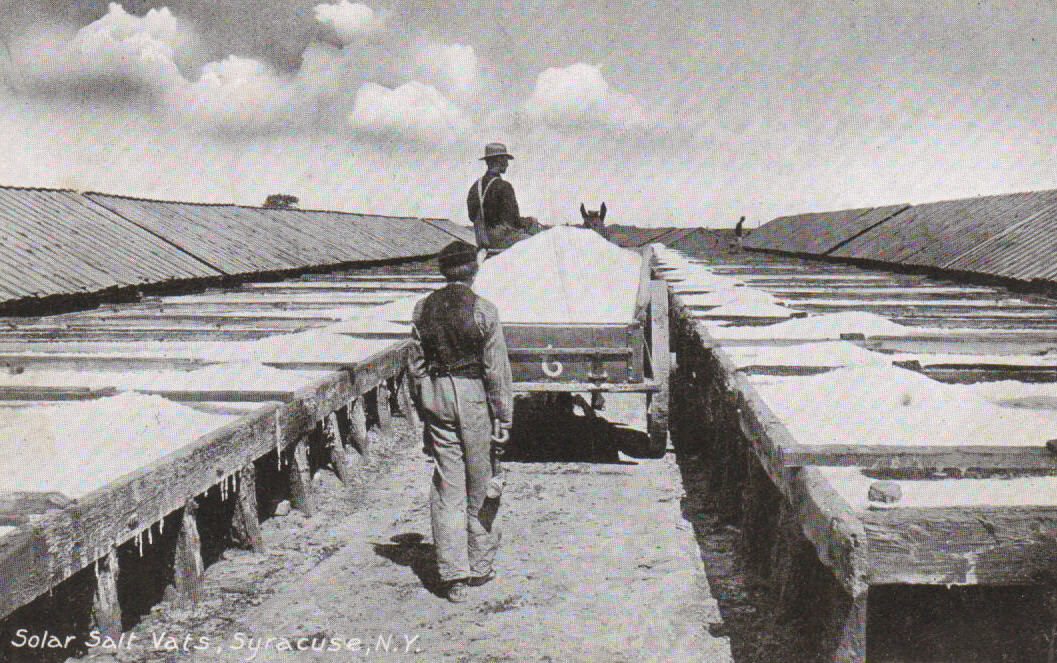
pixel 456 592
pixel 477 581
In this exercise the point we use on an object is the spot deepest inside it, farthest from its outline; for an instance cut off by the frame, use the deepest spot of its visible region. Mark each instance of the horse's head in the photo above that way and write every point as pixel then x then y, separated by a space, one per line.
pixel 593 220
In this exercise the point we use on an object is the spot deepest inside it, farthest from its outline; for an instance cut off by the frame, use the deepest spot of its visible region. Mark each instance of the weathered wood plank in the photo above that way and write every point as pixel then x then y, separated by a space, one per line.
pixel 187 564
pixel 832 527
pixel 330 433
pixel 300 476
pixel 17 361
pixel 978 545
pixel 106 609
pixel 357 416
pixel 647 386
pixel 246 522
pixel 383 409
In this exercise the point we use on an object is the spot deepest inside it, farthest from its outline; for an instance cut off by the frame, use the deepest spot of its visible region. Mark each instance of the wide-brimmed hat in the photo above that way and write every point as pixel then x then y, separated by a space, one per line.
pixel 457 253
pixel 495 150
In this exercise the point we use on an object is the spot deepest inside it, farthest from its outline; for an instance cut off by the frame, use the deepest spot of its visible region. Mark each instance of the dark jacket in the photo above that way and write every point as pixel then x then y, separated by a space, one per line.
pixel 501 225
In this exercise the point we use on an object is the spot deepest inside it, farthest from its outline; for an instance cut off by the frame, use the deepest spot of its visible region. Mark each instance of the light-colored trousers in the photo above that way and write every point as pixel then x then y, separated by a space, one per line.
pixel 459 427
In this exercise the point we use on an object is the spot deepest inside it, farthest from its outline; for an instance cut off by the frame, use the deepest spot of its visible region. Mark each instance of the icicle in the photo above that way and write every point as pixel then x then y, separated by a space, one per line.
pixel 139 543
pixel 161 525
pixel 150 535
pixel 278 443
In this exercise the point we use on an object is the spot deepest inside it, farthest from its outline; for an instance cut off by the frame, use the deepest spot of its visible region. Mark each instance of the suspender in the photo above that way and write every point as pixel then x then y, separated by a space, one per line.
pixel 482 191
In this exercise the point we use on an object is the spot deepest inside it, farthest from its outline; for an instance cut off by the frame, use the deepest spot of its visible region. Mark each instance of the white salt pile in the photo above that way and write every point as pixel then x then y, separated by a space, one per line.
pixel 819 327
pixel 884 405
pixel 315 345
pixel 854 486
pixel 562 275
pixel 76 448
pixel 828 353
pixel 1012 393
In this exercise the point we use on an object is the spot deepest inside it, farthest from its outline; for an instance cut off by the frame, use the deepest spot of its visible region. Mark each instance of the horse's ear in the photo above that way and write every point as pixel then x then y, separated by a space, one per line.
pixel 583 211
pixel 602 212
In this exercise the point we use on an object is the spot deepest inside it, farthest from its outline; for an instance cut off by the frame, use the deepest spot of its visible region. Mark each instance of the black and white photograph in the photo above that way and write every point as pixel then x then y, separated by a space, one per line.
pixel 539 331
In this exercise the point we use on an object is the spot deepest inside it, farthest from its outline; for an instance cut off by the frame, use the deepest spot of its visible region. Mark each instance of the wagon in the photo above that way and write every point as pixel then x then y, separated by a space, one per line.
pixel 632 357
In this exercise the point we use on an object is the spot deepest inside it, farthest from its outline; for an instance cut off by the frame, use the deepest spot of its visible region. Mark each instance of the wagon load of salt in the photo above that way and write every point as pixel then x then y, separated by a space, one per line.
pixel 562 275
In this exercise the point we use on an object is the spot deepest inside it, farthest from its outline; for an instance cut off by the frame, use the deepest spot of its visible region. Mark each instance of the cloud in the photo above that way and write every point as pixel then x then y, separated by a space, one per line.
pixel 413 110
pixel 452 68
pixel 117 55
pixel 579 96
pixel 350 20
pixel 240 94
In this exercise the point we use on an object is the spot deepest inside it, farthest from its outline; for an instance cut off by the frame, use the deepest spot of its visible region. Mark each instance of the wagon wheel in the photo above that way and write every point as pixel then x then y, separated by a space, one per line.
pixel 660 358
pixel 657 423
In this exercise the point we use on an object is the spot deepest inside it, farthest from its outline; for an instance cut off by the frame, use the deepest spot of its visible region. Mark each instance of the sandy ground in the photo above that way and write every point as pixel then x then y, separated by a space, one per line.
pixel 597 564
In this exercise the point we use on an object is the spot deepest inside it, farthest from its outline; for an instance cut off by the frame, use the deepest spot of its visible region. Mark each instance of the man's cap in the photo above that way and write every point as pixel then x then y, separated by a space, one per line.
pixel 495 150
pixel 457 253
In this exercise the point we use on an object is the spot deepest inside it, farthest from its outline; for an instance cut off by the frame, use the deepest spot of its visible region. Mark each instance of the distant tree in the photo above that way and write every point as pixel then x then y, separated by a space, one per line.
pixel 280 201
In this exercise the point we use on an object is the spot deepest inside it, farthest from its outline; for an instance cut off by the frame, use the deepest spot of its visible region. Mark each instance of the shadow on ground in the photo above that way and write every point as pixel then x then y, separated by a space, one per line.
pixel 411 551
pixel 550 429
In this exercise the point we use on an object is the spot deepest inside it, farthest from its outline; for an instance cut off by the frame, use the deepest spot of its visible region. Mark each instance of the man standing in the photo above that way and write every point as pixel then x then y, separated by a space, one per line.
pixel 497 222
pixel 462 387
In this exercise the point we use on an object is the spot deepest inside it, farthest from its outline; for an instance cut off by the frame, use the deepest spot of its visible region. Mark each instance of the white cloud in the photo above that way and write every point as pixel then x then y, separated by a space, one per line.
pixel 413 110
pixel 579 96
pixel 452 68
pixel 350 20
pixel 240 94
pixel 117 55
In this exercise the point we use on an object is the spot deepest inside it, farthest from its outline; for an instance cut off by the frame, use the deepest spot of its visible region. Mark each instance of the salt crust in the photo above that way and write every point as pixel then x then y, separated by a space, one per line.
pixel 79 447
pixel 827 353
pixel 853 485
pixel 885 405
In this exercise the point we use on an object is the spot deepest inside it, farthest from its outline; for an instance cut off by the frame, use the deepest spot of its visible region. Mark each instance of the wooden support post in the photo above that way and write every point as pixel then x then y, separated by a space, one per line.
pixel 245 522
pixel 407 403
pixel 384 407
pixel 850 645
pixel 187 574
pixel 357 424
pixel 300 478
pixel 331 434
pixel 106 611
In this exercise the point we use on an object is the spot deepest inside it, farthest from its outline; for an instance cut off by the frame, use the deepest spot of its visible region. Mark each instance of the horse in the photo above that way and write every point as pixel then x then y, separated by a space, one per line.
pixel 593 220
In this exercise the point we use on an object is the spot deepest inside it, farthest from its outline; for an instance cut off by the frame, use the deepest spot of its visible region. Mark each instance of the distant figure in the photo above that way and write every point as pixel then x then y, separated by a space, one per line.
pixel 594 220
pixel 462 388
pixel 280 201
pixel 739 233
pixel 497 222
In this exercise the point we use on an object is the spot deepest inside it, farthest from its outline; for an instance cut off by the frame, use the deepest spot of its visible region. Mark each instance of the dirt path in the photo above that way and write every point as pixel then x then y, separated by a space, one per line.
pixel 597 564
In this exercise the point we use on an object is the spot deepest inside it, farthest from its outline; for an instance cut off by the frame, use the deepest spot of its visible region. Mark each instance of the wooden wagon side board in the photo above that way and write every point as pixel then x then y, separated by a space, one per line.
pixel 55 545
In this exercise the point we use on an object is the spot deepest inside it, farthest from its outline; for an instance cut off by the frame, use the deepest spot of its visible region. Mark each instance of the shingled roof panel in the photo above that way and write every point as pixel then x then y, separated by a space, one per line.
pixel 241 240
pixel 817 232
pixel 58 242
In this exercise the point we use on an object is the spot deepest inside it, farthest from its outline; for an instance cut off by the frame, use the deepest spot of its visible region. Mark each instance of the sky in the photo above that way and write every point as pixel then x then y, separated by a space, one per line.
pixel 679 113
